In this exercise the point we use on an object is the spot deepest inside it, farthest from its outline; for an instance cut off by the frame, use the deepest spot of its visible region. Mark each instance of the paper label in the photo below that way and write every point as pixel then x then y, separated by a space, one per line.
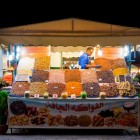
pixel 100 79
pixel 73 96
pixel 36 96
pixel 55 96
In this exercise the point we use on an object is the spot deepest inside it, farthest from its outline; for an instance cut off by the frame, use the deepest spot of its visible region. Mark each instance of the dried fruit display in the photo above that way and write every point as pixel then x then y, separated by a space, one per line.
pixel 55 88
pixel 42 63
pixel 73 88
pixel 104 63
pixel 110 64
pixel 126 89
pixel 105 76
pixel 92 89
pixel 57 76
pixel 19 88
pixel 37 88
pixel 118 63
pixel 110 89
pixel 88 76
pixel 25 66
pixel 72 76
pixel 24 71
pixel 40 75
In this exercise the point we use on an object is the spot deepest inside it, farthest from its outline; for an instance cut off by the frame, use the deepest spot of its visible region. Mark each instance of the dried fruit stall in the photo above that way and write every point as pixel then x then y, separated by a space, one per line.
pixel 70 100
pixel 92 99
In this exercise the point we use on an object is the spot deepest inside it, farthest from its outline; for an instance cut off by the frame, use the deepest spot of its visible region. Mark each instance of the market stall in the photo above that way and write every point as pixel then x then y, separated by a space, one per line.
pixel 111 100
pixel 58 102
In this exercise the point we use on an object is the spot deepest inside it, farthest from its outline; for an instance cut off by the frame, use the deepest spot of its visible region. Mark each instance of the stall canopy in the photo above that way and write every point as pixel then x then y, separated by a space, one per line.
pixel 72 32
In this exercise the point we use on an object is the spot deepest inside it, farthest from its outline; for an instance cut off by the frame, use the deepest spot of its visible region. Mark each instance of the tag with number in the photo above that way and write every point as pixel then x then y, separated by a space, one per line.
pixel 36 96
pixel 73 96
pixel 55 96
pixel 20 85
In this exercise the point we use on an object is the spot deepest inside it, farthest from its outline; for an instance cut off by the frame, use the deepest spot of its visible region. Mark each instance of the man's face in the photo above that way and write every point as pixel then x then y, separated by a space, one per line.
pixel 89 52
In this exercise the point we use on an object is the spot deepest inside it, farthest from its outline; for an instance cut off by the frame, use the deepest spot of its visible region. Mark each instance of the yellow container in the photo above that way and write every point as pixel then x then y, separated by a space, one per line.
pixel 120 71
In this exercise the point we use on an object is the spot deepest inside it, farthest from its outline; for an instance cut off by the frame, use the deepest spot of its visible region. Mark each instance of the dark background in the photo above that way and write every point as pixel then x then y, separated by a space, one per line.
pixel 14 13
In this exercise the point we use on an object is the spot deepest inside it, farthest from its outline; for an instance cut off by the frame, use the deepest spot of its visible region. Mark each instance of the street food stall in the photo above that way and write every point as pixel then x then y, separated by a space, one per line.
pixel 43 97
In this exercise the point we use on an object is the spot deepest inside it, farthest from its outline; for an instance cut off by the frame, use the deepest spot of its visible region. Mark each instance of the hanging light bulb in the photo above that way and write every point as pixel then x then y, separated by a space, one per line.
pixel 126 50
pixel 100 51
pixel 18 49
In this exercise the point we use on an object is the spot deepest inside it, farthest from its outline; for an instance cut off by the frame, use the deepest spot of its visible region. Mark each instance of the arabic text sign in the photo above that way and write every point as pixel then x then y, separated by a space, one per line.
pixel 57 113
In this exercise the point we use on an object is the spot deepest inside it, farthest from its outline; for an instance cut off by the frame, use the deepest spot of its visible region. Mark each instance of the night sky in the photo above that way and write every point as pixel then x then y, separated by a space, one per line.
pixel 22 13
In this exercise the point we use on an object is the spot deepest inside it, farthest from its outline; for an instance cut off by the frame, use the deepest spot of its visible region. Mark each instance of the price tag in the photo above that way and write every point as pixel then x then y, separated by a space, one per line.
pixel 36 96
pixel 55 96
pixel 72 87
pixel 73 96
pixel 101 84
pixel 106 84
pixel 100 79
pixel 20 85
pixel 117 79
pixel 91 87
pixel 55 87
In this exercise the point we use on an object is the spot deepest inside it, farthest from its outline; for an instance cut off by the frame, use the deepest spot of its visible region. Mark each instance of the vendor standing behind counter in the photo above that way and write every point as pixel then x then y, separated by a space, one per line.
pixel 84 61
